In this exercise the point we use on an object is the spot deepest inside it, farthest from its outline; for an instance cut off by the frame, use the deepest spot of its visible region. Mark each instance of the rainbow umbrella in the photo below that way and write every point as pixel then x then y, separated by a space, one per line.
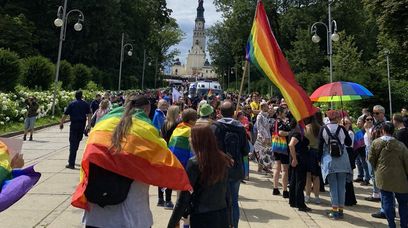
pixel 339 92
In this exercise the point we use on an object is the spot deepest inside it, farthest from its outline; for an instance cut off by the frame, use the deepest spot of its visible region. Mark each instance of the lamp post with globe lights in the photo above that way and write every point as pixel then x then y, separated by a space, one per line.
pixel 122 50
pixel 387 55
pixel 61 22
pixel 332 35
pixel 146 58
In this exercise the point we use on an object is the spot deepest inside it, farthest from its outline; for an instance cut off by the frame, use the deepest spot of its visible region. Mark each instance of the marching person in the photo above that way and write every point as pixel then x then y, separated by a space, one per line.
pixel 79 112
pixel 31 115
pixel 159 114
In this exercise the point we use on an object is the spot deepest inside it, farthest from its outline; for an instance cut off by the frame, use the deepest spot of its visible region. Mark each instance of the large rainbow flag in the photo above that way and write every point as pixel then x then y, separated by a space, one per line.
pixel 14 183
pixel 263 51
pixel 144 156
pixel 179 143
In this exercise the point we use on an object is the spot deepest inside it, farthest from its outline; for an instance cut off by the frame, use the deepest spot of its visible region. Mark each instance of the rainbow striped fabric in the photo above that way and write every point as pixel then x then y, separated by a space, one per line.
pixel 14 183
pixel 179 143
pixel 263 51
pixel 144 156
pixel 358 139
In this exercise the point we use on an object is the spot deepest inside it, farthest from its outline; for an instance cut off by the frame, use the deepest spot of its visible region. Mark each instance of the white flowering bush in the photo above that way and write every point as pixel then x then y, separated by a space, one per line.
pixel 13 108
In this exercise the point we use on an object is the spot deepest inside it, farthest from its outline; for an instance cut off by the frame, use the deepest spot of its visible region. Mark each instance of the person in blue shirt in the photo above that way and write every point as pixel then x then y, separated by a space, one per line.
pixel 159 115
pixel 95 103
pixel 79 112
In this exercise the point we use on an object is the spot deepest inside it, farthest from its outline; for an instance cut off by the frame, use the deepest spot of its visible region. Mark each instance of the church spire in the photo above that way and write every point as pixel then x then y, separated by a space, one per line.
pixel 200 11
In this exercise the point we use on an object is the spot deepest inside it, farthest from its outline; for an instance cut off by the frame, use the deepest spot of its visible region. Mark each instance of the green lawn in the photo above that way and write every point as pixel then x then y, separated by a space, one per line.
pixel 19 126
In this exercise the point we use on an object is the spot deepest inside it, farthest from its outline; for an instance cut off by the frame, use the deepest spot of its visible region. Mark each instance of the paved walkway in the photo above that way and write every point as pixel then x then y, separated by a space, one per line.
pixel 48 203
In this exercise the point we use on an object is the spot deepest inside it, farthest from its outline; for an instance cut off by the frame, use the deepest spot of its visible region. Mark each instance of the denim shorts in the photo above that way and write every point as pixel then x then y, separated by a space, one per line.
pixel 29 123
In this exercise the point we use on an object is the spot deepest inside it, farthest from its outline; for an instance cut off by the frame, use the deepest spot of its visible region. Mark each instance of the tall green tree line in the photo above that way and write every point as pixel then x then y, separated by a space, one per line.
pixel 27 28
pixel 366 28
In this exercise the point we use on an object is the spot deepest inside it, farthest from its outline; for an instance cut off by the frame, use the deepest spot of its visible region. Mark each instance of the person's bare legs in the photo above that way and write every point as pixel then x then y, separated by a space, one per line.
pixel 308 187
pixel 316 186
pixel 285 177
pixel 276 175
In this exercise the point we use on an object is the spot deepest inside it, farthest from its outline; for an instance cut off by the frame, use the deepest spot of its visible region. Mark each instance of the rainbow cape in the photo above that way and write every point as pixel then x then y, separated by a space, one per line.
pixel 263 51
pixel 179 143
pixel 14 183
pixel 144 156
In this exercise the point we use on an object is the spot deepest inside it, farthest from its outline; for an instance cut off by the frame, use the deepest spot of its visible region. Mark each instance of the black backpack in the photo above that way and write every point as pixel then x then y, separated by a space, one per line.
pixel 106 187
pixel 335 147
pixel 231 144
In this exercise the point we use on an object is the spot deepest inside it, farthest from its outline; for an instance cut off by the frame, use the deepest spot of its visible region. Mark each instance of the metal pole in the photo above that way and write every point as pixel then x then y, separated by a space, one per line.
pixel 144 65
pixel 64 11
pixel 228 75
pixel 155 72
pixel 121 60
pixel 236 77
pixel 330 43
pixel 389 85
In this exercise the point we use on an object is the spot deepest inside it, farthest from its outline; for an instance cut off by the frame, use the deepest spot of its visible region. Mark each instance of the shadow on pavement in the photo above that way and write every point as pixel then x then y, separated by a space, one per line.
pixel 262 216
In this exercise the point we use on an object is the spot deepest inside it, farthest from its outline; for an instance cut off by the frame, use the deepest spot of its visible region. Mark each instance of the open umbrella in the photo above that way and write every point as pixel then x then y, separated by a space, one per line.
pixel 339 92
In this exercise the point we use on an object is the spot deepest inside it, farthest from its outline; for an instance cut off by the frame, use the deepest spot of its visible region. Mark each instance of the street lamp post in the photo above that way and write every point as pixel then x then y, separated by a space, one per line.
pixel 61 22
pixel 145 58
pixel 387 53
pixel 122 50
pixel 331 36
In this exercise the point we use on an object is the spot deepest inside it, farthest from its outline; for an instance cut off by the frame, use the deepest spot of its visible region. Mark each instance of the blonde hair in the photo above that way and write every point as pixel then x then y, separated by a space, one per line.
pixel 132 103
pixel 172 115
pixel 104 104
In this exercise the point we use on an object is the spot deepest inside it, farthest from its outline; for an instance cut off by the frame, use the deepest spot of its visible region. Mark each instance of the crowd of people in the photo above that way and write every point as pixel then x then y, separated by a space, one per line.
pixel 214 141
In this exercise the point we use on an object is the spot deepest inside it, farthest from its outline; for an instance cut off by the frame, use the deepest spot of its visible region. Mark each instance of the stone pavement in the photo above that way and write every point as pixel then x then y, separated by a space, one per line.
pixel 48 203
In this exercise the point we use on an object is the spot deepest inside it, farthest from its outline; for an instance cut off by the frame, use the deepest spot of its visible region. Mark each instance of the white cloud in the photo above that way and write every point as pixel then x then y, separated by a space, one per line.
pixel 185 12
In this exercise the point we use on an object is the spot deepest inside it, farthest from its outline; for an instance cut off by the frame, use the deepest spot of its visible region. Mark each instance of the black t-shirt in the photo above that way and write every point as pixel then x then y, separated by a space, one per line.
pixel 302 146
pixel 402 135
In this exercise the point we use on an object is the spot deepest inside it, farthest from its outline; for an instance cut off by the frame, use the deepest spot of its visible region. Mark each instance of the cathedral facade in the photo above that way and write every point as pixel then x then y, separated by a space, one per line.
pixel 197 66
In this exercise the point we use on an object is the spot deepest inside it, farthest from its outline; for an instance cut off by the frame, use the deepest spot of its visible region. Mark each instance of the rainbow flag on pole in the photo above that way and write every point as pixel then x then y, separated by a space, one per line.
pixel 144 156
pixel 263 51
pixel 14 183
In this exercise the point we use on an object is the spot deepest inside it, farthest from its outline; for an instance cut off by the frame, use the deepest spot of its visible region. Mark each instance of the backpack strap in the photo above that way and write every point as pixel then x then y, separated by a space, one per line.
pixel 331 135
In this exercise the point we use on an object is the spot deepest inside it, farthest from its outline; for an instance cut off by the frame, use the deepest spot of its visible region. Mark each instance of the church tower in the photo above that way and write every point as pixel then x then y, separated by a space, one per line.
pixel 199 29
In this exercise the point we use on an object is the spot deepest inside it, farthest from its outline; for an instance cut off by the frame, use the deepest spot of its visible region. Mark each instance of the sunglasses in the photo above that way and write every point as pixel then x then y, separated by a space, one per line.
pixel 369 119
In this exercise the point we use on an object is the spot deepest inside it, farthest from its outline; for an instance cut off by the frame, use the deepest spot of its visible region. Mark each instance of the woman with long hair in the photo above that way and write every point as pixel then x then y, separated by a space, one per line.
pixel 172 119
pixel 208 174
pixel 350 199
pixel 312 133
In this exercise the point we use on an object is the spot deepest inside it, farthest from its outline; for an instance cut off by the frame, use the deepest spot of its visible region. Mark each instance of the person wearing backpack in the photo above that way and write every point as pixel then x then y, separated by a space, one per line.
pixel 231 139
pixel 335 161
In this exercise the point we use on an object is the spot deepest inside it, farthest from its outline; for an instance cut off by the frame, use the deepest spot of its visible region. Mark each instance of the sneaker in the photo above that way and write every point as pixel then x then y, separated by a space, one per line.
pixel 305 209
pixel 276 192
pixel 25 138
pixel 160 203
pixel 307 199
pixel 285 194
pixel 168 205
pixel 358 179
pixel 379 215
pixel 372 199
pixel 317 200
pixel 70 166
pixel 334 215
pixel 365 183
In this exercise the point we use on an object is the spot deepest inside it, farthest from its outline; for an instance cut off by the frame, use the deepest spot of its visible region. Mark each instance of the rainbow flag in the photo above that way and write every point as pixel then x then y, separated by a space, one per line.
pixel 263 51
pixel 144 156
pixel 358 139
pixel 14 183
pixel 179 143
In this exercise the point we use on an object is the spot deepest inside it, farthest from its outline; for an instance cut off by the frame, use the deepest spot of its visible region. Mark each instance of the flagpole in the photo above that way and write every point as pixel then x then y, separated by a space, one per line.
pixel 242 85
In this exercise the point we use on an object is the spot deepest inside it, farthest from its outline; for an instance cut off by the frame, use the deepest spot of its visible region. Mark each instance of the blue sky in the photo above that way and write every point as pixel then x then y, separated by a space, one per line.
pixel 185 12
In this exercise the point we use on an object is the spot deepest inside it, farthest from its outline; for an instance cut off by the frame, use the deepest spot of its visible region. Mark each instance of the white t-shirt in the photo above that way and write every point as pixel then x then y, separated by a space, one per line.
pixel 333 129
pixel 367 137
pixel 134 212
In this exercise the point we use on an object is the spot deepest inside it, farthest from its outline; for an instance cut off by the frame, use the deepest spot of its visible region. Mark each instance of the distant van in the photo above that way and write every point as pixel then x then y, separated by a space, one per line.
pixel 201 88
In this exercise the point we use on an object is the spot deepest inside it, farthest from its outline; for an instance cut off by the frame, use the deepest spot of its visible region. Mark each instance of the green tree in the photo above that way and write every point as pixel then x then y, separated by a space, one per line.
pixel 82 76
pixel 66 74
pixel 10 70
pixel 38 72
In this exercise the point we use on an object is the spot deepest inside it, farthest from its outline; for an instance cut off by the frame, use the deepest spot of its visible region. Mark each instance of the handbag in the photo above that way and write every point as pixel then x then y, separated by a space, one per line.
pixel 279 143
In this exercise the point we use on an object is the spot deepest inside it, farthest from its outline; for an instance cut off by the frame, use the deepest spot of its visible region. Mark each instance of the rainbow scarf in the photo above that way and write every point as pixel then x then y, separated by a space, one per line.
pixel 179 144
pixel 144 156
pixel 263 51
pixel 14 183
